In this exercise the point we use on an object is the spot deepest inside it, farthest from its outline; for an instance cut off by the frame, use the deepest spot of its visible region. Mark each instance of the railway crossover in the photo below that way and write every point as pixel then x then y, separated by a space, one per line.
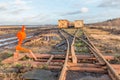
pixel 99 65
pixel 71 61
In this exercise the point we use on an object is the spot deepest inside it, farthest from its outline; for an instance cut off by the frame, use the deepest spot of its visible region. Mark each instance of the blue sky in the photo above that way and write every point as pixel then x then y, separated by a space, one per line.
pixel 35 12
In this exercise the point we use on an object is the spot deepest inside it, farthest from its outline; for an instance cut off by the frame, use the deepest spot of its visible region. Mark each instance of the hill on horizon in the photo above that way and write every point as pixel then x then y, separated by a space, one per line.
pixel 110 22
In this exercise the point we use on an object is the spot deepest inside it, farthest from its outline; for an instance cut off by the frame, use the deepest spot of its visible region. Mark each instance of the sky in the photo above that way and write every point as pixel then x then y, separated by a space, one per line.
pixel 41 12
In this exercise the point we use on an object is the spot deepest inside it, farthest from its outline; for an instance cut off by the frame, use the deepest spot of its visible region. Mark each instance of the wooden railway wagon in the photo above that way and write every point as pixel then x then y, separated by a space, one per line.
pixel 78 23
pixel 68 24
pixel 63 23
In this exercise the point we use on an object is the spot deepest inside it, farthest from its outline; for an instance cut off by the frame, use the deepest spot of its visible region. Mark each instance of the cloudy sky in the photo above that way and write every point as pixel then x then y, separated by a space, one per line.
pixel 49 11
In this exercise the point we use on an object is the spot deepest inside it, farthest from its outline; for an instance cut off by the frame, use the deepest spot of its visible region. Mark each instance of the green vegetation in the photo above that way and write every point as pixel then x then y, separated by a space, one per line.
pixel 28 65
pixel 18 65
pixel 5 54
pixel 79 33
pixel 43 66
pixel 9 54
pixel 25 58
pixel 83 49
pixel 79 44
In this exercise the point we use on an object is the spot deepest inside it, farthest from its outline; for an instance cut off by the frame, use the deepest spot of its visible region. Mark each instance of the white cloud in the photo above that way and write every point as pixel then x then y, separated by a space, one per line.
pixel 84 10
pixel 37 18
pixel 21 5
pixel 17 6
pixel 19 2
pixel 14 11
pixel 3 6
pixel 110 3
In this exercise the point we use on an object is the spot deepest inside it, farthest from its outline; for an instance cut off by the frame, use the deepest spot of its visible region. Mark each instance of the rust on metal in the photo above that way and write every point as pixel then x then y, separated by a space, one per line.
pixel 74 58
pixel 49 60
pixel 95 62
pixel 111 69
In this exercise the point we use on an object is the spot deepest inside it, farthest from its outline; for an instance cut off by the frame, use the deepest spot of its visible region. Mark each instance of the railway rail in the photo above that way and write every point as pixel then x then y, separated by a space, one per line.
pixel 71 61
pixel 101 59
pixel 13 40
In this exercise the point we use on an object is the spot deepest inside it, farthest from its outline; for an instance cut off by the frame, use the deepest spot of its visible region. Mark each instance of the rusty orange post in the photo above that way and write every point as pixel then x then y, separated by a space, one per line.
pixel 21 35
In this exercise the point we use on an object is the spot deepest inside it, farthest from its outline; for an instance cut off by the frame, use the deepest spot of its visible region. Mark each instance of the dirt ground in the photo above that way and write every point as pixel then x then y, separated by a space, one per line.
pixel 76 75
pixel 108 43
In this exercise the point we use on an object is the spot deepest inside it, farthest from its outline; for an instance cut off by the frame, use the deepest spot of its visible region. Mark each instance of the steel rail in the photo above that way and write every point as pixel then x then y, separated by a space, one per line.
pixel 63 72
pixel 115 76
pixel 111 71
pixel 69 52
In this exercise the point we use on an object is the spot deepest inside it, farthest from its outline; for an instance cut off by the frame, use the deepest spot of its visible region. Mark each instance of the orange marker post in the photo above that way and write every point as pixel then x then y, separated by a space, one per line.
pixel 21 35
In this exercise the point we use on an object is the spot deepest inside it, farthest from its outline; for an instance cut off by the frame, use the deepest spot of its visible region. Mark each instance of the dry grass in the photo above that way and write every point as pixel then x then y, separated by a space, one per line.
pixel 39 45
pixel 35 42
pixel 71 31
pixel 13 30
pixel 95 31
pixel 2 32
pixel 8 32
pixel 106 42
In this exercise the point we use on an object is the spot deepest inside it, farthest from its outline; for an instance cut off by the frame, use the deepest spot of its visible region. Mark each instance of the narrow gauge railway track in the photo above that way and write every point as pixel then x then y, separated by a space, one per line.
pixel 13 40
pixel 101 65
pixel 110 70
pixel 69 39
pixel 70 61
